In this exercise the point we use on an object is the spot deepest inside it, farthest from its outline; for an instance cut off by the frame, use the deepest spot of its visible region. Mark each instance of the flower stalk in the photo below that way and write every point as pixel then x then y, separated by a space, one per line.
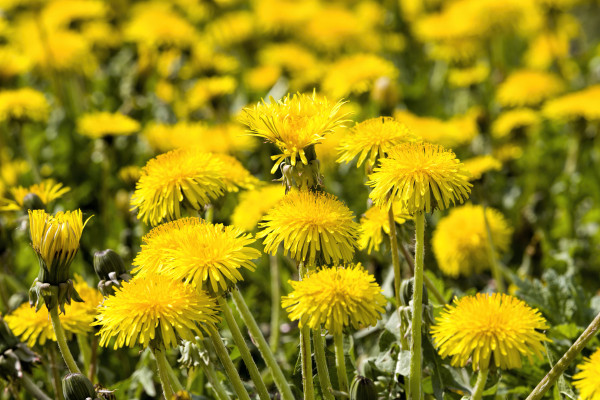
pixel 322 369
pixel 496 271
pixel 162 365
pixel 480 384
pixel 275 302
pixel 33 389
pixel 62 341
pixel 338 341
pixel 417 302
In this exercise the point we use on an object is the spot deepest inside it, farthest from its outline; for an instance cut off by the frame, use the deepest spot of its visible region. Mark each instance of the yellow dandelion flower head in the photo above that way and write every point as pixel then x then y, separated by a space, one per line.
pixel 421 177
pixel 235 176
pixel 581 104
pixel 99 124
pixel 312 226
pixel 254 204
pixel 373 137
pixel 528 88
pixel 586 380
pixel 289 56
pixel 155 310
pixel 356 74
pixel 230 29
pixel 488 328
pixel 477 166
pixel 13 62
pixel 262 78
pixel 204 254
pixel 512 120
pixel 204 58
pixel 55 239
pixel 59 14
pixel 206 89
pixel 130 174
pixel 11 169
pixel 182 177
pixel 101 34
pixel 23 104
pixel 374 223
pixel 293 123
pixel 465 77
pixel 548 47
pixel 30 326
pixel 47 191
pixel 276 15
pixel 335 298
pixel 460 241
pixel 508 152
pixel 458 131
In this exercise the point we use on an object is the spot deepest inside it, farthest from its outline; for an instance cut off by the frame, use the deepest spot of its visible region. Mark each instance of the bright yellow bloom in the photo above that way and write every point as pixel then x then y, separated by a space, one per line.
pixel 356 74
pixel 180 177
pixel 59 14
pixel 23 104
pixel 586 380
pixel 374 223
pixel 477 327
pixel 458 131
pixel 465 77
pixel 460 240
pixel 528 88
pixel 314 228
pixel 206 89
pixel 55 240
pixel 477 166
pixel 130 174
pixel 235 176
pixel 290 57
pixel 581 104
pixel 509 121
pixel 203 254
pixel 277 15
pixel 293 123
pixel 48 191
pixel 99 124
pixel 230 29
pixel 157 311
pixel 262 78
pixel 335 298
pixel 13 62
pixel 373 137
pixel 413 173
pixel 254 204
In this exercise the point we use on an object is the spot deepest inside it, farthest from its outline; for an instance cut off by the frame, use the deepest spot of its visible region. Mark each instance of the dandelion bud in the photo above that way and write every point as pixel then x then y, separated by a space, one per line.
pixel 111 270
pixel 15 357
pixel 78 387
pixel 32 201
pixel 362 389
pixel 406 292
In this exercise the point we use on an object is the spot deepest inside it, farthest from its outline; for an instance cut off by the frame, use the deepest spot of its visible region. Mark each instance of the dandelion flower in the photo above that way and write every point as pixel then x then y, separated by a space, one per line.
pixel 528 88
pixel 201 253
pixel 312 227
pixel 99 124
pixel 130 174
pixel 586 380
pixel 335 298
pixel 235 176
pixel 179 177
pixel 254 204
pixel 155 310
pixel 477 166
pixel 373 137
pixel 458 131
pixel 23 104
pixel 374 223
pixel 47 191
pixel 581 104
pixel 206 89
pixel 510 121
pixel 293 123
pixel 460 241
pixel 468 76
pixel 421 177
pixel 479 327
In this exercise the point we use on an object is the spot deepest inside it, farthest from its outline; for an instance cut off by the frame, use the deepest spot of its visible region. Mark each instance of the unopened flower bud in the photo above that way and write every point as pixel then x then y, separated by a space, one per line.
pixel 362 389
pixel 107 261
pixel 78 387
pixel 32 201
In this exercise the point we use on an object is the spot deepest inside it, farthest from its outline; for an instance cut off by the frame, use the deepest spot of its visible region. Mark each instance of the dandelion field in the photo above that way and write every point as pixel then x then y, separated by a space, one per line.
pixel 299 199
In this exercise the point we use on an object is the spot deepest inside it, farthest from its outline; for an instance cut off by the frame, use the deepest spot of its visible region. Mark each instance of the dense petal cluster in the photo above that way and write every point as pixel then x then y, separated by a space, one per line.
pixel 23 104
pixel 373 137
pixel 155 310
pixel 477 166
pixel 235 176
pixel 336 298
pixel 312 227
pixel 528 88
pixel 488 328
pixel 201 253
pixel 421 177
pixel 99 124
pixel 254 204
pixel 47 191
pixel 460 241
pixel 586 380
pixel 182 177
pixel 293 123
pixel 374 223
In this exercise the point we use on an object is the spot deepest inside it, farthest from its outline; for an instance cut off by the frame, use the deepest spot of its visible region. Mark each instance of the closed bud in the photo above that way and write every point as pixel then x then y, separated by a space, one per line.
pixel 363 389
pixel 78 387
pixel 406 292
pixel 32 201
pixel 107 261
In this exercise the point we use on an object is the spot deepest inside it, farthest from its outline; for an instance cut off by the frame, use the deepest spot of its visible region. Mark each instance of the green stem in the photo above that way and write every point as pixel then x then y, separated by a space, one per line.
pixel 415 344
pixel 548 381
pixel 209 372
pixel 232 373
pixel 275 303
pixel 86 352
pixel 428 283
pixel 162 365
pixel 62 341
pixel 57 383
pixel 322 369
pixel 395 258
pixel 243 348
pixel 480 384
pixel 496 270
pixel 258 338
pixel 94 359
pixel 209 213
pixel 173 380
pixel 33 389
pixel 338 341
pixel 305 352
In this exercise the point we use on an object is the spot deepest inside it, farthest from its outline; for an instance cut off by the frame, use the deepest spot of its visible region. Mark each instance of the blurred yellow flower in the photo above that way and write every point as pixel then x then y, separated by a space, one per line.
pixel 206 255
pixel 59 14
pixel 477 166
pixel 469 76
pixel 528 88
pixel 229 29
pixel 235 175
pixel 254 204
pixel 581 104
pixel 488 328
pixel 262 78
pixel 13 62
pixel 206 89
pixel 512 120
pixel 315 228
pixel 460 241
pixel 421 177
pixel 276 15
pixel 586 380
pixel 155 311
pixel 130 174
pixel 182 177
pixel 374 223
pixel 458 131
pixel 24 104
pixel 335 298
pixel 98 124
pixel 47 191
